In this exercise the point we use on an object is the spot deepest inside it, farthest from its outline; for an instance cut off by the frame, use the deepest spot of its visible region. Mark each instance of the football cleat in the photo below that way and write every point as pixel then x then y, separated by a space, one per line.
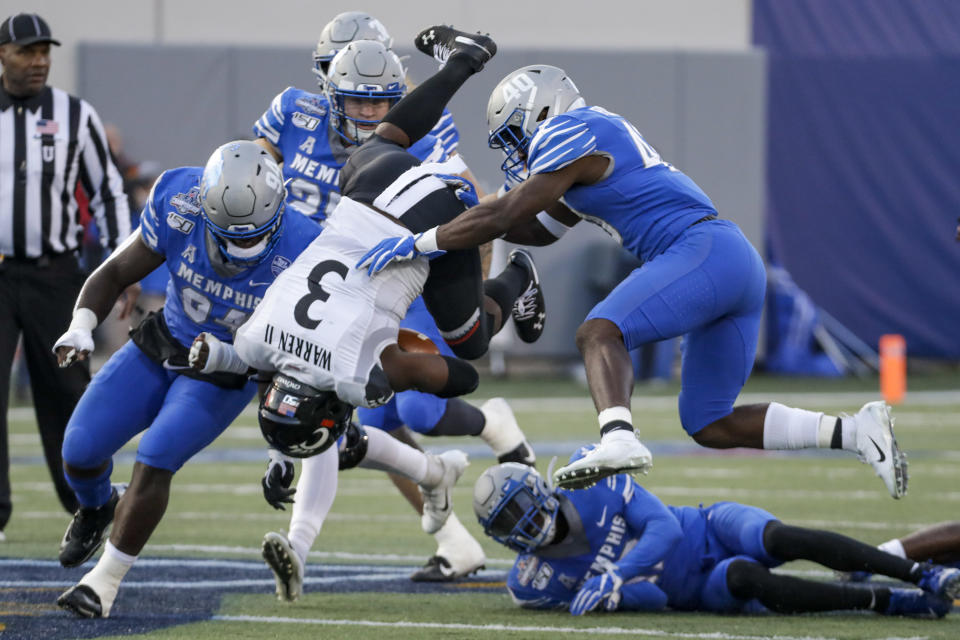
pixel 439 569
pixel 940 581
pixel 82 600
pixel 916 603
pixel 87 531
pixel 529 311
pixel 606 459
pixel 285 564
pixel 877 447
pixel 442 41
pixel 437 500
pixel 503 434
pixel 458 555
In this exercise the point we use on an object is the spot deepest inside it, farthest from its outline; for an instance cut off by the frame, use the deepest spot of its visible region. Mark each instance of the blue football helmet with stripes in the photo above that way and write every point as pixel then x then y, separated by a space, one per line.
pixel 519 103
pixel 515 506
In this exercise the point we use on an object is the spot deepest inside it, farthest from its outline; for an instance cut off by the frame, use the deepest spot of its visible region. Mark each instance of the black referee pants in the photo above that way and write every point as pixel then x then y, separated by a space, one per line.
pixel 36 300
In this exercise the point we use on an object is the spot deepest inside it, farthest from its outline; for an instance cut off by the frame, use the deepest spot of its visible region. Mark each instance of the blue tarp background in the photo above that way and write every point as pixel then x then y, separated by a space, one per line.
pixel 864 161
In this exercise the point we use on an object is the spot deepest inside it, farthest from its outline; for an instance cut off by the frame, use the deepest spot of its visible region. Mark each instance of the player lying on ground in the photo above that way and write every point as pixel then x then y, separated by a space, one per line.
pixel 616 547
pixel 700 278
pixel 223 233
pixel 341 117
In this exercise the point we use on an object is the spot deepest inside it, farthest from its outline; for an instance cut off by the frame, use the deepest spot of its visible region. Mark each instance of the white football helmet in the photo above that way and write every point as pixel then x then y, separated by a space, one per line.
pixel 362 69
pixel 519 103
pixel 341 31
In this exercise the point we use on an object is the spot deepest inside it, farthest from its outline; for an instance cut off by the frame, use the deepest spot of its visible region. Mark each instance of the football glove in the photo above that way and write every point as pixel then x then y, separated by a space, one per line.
pixel 462 188
pixel 603 589
pixel 391 250
pixel 277 480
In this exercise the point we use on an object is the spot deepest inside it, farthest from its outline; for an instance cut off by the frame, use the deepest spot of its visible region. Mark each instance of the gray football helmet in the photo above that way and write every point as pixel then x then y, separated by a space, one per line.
pixel 515 506
pixel 341 31
pixel 519 103
pixel 241 196
pixel 362 69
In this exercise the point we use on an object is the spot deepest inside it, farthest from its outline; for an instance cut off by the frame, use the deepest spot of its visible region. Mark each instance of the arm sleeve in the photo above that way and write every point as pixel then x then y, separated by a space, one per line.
pixel 103 183
pixel 271 123
pixel 558 142
pixel 659 530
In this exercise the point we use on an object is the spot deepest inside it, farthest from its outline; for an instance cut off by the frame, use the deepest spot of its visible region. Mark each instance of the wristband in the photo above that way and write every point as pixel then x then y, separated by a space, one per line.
pixel 84 320
pixel 427 242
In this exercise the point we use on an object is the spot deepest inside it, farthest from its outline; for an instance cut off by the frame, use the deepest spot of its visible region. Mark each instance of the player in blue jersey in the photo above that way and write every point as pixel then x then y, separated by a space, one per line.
pixel 224 235
pixel 617 547
pixel 313 134
pixel 701 279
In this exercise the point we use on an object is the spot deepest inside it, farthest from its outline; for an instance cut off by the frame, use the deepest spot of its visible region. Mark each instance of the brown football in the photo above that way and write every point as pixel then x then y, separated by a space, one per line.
pixel 415 342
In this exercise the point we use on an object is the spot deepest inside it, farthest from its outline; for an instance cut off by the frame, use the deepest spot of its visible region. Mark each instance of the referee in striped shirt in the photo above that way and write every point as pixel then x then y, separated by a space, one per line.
pixel 50 141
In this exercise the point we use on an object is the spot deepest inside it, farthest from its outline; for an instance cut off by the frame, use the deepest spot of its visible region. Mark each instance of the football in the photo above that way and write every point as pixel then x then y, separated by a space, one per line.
pixel 416 342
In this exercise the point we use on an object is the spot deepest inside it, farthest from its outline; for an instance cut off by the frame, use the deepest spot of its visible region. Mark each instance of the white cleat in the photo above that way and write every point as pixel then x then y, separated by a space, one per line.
pixel 877 446
pixel 285 564
pixel 608 458
pixel 437 500
pixel 503 434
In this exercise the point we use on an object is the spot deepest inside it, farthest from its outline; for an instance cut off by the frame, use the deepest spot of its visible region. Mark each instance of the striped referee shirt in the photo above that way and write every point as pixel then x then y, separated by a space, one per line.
pixel 49 143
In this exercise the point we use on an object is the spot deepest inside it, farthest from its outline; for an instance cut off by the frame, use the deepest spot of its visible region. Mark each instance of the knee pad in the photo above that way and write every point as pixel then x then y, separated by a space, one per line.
pixel 354 449
pixel 462 378
pixel 420 411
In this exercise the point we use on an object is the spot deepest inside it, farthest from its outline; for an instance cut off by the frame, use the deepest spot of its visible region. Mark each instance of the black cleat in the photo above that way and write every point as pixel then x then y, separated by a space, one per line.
pixel 442 41
pixel 86 532
pixel 81 600
pixel 439 569
pixel 529 311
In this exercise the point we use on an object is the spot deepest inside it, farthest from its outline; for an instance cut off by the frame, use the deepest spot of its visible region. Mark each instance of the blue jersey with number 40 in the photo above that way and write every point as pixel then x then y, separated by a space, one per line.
pixel 198 297
pixel 642 201
pixel 297 124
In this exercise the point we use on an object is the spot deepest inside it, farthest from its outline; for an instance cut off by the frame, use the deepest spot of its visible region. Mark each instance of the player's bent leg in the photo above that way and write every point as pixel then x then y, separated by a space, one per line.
pixel 442 376
pixel 142 508
pixel 316 490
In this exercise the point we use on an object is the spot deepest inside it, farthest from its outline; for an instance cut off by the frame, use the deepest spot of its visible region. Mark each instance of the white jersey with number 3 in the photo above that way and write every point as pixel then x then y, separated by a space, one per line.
pixel 324 322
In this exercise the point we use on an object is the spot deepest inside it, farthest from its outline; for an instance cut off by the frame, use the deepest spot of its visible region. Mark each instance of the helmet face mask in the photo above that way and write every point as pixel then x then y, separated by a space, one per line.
pixel 341 31
pixel 515 506
pixel 363 70
pixel 242 201
pixel 300 421
pixel 517 106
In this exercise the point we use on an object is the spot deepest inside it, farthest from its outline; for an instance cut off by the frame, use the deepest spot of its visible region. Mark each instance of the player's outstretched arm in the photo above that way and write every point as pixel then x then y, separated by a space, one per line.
pixel 130 263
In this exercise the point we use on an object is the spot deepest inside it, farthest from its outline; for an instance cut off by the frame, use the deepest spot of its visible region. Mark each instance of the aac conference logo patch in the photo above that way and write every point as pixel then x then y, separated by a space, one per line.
pixel 278 265
pixel 187 203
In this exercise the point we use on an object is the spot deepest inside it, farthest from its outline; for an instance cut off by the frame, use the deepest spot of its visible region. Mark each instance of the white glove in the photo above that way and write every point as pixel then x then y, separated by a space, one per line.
pixel 79 337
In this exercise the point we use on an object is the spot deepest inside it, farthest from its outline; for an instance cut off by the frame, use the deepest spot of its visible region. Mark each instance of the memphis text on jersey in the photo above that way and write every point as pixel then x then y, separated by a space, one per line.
pixel 299 347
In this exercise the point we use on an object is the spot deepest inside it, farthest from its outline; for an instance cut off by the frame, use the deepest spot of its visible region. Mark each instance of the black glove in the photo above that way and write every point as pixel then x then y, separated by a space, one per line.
pixel 277 480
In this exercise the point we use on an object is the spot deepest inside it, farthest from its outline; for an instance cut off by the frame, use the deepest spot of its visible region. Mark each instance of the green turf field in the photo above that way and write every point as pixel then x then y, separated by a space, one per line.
pixel 216 510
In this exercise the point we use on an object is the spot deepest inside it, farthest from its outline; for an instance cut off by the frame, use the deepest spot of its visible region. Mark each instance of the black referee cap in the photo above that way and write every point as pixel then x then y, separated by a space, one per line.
pixel 24 29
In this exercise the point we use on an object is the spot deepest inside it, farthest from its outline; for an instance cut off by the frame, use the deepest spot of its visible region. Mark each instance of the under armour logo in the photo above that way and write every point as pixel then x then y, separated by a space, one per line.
pixel 427 37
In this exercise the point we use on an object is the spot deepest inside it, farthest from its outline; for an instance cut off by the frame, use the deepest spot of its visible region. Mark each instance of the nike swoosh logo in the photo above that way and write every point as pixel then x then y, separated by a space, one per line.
pixel 259 284
pixel 879 450
pixel 603 517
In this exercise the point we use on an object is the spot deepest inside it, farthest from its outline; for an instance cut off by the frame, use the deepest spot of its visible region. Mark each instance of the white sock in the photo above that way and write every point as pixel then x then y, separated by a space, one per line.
pixel 455 544
pixel 106 576
pixel 386 453
pixel 316 490
pixel 894 547
pixel 788 428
